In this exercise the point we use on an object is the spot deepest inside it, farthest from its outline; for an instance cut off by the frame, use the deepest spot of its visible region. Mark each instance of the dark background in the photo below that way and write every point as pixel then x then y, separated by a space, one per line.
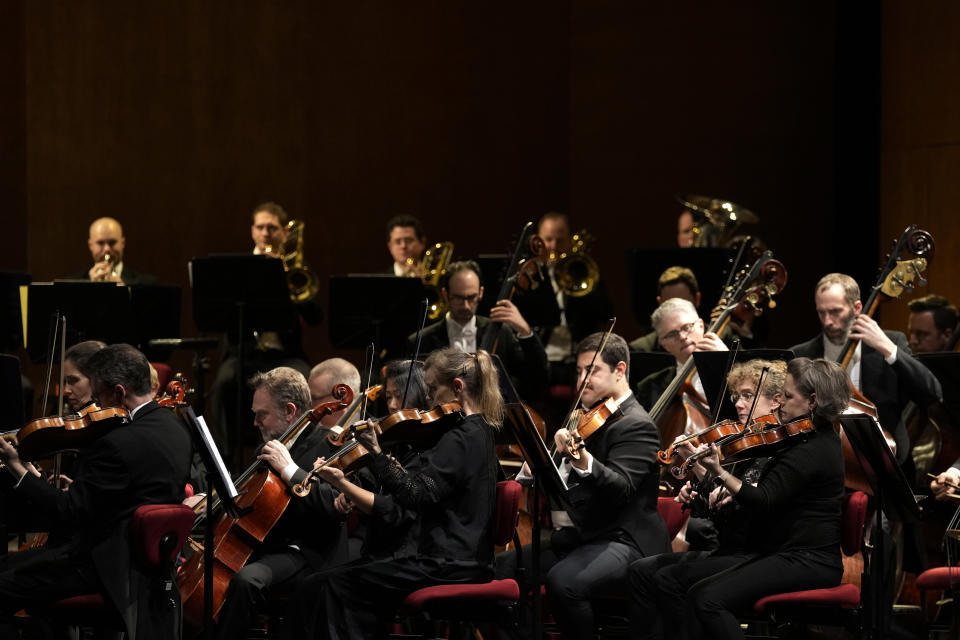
pixel 838 125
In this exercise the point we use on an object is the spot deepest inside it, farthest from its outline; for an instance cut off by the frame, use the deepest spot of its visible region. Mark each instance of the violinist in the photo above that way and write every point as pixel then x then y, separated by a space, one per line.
pixel 793 535
pixel 946 483
pixel 716 525
pixel 308 533
pixel 324 377
pixel 454 493
pixel 882 366
pixel 107 245
pixel 519 348
pixel 681 332
pixel 77 391
pixel 613 488
pixel 143 462
pixel 406 242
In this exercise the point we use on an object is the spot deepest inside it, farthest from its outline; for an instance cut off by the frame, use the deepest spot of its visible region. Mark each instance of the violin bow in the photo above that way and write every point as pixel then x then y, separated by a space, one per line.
pixel 723 388
pixel 368 359
pixel 416 352
pixel 756 395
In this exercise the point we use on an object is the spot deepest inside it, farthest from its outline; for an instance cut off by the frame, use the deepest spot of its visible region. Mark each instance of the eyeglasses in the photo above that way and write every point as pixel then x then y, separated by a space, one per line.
pixel 468 299
pixel 684 329
pixel 748 396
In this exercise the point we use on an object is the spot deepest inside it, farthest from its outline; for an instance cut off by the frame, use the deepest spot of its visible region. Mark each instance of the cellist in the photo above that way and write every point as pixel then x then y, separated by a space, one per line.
pixel 309 533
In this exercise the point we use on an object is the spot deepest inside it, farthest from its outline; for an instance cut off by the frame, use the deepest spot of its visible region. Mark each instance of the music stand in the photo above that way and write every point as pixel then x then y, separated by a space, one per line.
pixel 378 308
pixel 712 367
pixel 218 478
pixel 156 314
pixel 643 363
pixel 644 267
pixel 94 311
pixel 11 319
pixel 893 497
pixel 945 365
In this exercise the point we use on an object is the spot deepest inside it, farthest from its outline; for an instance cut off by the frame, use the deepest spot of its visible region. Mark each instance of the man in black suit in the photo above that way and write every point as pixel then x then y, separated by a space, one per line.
pixel 107 244
pixel 309 533
pixel 514 341
pixel 882 366
pixel 612 490
pixel 143 462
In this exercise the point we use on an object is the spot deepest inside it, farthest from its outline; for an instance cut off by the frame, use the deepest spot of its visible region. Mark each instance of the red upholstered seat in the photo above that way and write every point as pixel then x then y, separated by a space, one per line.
pixel 939 578
pixel 450 595
pixel 673 515
pixel 164 374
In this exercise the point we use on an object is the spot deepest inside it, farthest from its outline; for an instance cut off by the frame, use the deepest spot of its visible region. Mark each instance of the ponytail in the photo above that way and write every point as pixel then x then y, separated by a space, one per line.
pixel 480 378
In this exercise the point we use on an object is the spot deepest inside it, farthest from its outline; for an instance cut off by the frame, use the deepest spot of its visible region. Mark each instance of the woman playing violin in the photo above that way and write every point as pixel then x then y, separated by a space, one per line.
pixel 453 493
pixel 76 386
pixel 793 541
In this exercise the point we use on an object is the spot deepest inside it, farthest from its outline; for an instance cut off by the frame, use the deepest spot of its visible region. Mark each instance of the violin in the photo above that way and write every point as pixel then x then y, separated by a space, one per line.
pixel 762 437
pixel 587 424
pixel 713 433
pixel 46 436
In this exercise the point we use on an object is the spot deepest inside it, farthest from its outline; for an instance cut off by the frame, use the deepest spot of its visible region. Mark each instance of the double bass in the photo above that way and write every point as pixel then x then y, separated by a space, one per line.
pixel 263 499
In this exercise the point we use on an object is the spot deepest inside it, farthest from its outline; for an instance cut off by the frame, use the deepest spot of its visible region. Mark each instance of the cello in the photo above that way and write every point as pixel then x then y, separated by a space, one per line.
pixel 263 500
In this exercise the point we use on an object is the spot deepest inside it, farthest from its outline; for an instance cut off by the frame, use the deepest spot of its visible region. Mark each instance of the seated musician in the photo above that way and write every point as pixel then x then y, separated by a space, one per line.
pixel 324 377
pixel 931 324
pixel 143 462
pixel 309 533
pixel 613 490
pixel 792 539
pixel 77 390
pixel 881 367
pixel 406 242
pixel 517 345
pixel 680 332
pixel 107 246
pixel 454 493
pixel 946 483
pixel 715 526
pixel 674 282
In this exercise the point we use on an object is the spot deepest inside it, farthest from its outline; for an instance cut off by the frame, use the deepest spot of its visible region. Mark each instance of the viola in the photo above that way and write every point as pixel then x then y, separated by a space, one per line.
pixel 43 437
pixel 713 433
pixel 588 423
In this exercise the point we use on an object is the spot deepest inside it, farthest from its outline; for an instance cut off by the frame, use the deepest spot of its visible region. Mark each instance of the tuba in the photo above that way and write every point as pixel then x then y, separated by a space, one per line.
pixel 301 280
pixel 576 273
pixel 432 268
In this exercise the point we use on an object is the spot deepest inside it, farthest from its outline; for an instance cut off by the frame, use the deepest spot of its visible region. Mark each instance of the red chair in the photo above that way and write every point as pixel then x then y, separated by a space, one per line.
pixel 946 579
pixel 157 532
pixel 836 605
pixel 164 374
pixel 459 602
pixel 673 514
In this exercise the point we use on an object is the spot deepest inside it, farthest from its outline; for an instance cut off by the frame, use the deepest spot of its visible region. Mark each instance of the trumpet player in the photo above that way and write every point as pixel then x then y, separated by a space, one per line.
pixel 406 242
pixel 107 244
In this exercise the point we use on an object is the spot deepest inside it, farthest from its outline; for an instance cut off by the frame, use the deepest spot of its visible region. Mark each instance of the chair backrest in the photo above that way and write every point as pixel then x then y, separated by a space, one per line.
pixel 158 532
pixel 852 522
pixel 164 374
pixel 507 512
pixel 673 514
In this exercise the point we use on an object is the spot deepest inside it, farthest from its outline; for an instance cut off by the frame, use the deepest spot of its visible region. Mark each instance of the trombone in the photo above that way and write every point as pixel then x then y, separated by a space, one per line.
pixel 301 280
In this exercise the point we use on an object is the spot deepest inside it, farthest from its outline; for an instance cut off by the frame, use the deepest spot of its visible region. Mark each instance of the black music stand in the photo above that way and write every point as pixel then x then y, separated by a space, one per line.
pixel 644 267
pixel 218 478
pixel 713 365
pixel 378 308
pixel 893 496
pixel 156 314
pixel 94 311
pixel 945 365
pixel 545 473
pixel 643 363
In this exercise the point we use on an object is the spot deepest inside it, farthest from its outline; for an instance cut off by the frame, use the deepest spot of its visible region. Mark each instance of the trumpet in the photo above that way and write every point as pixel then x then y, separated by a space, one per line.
pixel 110 261
pixel 301 280
pixel 576 273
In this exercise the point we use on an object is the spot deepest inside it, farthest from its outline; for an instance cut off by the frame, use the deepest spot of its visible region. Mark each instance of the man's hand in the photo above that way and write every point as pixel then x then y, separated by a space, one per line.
pixel 869 332
pixel 275 455
pixel 507 313
pixel 687 494
pixel 939 485
pixel 711 342
pixel 719 497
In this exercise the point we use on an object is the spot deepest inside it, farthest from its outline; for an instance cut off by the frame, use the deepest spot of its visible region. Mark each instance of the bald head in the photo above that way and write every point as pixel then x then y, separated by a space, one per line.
pixel 106 237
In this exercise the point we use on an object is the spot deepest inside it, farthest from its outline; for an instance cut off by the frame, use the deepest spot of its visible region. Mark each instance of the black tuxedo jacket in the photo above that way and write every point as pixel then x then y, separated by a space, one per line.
pixel 144 462
pixel 525 360
pixel 619 497
pixel 311 523
pixel 889 387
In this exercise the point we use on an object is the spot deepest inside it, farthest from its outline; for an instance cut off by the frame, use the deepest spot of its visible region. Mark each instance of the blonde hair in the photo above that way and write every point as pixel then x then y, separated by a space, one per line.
pixel 479 375
pixel 750 371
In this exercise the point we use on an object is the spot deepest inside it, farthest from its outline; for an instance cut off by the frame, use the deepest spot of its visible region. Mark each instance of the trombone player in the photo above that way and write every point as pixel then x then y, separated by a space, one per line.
pixel 106 244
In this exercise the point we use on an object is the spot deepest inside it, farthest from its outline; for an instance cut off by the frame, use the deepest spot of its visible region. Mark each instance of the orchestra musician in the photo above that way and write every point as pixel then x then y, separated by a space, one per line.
pixel 324 377
pixel 716 525
pixel 143 462
pixel 685 235
pixel 613 490
pixel 931 324
pixel 406 242
pixel 674 282
pixel 309 533
pixel 881 367
pixel 681 332
pixel 453 492
pixel 107 246
pixel 792 540
pixel 520 349
pixel 77 390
